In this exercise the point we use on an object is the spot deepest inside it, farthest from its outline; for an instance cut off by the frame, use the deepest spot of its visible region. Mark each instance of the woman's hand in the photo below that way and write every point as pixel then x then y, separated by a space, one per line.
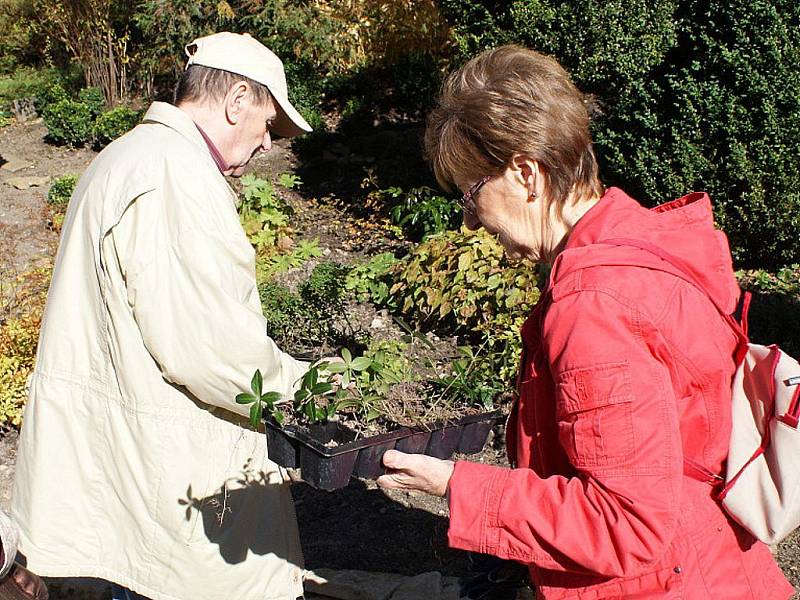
pixel 416 472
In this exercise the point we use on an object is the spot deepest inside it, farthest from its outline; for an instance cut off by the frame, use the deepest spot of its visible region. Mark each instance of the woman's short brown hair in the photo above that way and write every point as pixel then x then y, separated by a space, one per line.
pixel 509 101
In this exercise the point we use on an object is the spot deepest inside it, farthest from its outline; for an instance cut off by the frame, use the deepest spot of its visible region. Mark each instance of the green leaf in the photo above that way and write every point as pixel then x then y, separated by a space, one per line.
pixel 255 415
pixel 245 398
pixel 346 356
pixel 256 383
pixel 313 377
pixel 322 388
pixel 278 416
pixel 361 363
pixel 337 367
pixel 271 398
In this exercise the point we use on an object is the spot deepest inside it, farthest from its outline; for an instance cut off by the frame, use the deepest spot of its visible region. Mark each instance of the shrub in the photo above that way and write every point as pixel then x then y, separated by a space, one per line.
pixel 113 123
pixel 68 122
pixel 323 295
pixel 461 279
pixel 93 98
pixel 284 312
pixel 28 83
pixel 96 35
pixel 421 212
pixel 21 307
pixel 305 320
pixel 21 40
pixel 18 338
pixel 775 307
pixel 61 190
pixel 695 95
pixel 49 95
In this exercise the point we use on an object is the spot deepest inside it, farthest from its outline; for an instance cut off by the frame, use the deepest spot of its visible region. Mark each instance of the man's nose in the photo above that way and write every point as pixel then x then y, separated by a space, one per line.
pixel 266 143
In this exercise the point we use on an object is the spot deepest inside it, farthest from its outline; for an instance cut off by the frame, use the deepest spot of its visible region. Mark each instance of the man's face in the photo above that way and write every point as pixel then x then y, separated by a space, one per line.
pixel 252 135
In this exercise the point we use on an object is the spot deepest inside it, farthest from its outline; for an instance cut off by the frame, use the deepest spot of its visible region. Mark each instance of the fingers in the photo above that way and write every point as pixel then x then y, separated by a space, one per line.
pixel 394 459
pixel 415 472
pixel 393 481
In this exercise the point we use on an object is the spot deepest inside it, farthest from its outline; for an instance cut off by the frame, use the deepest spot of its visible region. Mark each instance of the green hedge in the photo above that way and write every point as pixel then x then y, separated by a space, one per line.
pixel 695 95
pixel 113 123
pixel 68 122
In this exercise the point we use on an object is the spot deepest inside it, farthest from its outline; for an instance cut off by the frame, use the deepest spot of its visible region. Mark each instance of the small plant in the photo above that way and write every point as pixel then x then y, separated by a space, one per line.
pixel 470 380
pixel 68 122
pixel 420 212
pixel 112 124
pixel 260 402
pixel 464 276
pixel 61 190
pixel 264 216
pixel 346 386
pixel 325 285
pixel 289 181
pixel 284 312
pixel 22 300
pixel 323 294
pixel 368 281
pixel 315 397
pixel 279 263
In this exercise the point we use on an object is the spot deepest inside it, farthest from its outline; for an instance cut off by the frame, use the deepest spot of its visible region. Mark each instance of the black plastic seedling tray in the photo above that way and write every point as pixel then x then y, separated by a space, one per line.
pixel 329 455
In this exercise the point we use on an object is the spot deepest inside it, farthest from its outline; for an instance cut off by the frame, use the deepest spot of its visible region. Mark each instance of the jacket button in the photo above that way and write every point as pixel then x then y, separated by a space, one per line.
pixel 677 569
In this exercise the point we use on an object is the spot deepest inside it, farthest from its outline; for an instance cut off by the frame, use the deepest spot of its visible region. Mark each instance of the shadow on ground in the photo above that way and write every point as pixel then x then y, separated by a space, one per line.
pixel 360 527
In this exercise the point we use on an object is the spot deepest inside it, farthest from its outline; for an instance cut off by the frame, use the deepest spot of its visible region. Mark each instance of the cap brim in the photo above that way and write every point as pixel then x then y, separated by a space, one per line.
pixel 288 122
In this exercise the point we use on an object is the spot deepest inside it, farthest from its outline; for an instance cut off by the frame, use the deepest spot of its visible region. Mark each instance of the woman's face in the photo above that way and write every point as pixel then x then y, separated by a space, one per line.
pixel 506 207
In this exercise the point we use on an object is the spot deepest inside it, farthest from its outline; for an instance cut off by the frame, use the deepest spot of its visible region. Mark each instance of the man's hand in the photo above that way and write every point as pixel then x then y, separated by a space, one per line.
pixel 416 472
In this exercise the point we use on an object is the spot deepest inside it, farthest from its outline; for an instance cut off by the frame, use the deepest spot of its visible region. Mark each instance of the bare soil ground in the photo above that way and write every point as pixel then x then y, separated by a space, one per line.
pixel 357 527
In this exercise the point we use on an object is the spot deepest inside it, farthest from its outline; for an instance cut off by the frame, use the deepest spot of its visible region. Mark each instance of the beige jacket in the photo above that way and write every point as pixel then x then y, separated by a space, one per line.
pixel 134 464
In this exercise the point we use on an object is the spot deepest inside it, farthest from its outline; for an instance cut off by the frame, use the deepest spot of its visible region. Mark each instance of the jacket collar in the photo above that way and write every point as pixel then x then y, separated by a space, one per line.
pixel 683 227
pixel 174 118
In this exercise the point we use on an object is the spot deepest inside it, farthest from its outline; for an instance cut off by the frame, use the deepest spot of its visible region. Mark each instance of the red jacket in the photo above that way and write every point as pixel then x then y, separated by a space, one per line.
pixel 626 369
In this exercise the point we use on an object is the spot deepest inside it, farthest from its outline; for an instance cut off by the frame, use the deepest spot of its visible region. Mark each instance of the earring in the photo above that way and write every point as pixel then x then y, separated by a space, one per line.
pixel 532 196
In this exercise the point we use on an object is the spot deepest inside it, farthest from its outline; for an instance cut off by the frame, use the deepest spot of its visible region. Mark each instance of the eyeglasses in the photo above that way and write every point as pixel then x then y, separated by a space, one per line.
pixel 467 202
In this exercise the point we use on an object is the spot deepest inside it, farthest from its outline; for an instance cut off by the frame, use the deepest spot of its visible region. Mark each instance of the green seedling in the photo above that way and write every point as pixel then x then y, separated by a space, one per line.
pixel 259 401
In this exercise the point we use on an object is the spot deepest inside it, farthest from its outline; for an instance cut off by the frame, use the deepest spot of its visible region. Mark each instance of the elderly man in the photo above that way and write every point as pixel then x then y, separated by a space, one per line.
pixel 135 464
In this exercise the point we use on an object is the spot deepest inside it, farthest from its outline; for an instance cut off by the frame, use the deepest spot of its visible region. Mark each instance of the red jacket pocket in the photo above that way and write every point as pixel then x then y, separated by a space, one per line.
pixel 593 409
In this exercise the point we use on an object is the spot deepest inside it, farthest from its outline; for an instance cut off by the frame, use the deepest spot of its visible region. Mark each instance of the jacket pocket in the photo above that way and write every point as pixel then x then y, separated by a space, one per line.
pixel 594 414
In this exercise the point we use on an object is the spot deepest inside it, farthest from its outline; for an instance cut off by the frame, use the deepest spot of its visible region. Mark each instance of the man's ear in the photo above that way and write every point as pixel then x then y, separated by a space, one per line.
pixel 234 101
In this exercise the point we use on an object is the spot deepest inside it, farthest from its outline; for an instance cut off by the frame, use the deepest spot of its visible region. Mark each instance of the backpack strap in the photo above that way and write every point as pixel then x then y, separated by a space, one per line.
pixel 692 468
pixel 682 271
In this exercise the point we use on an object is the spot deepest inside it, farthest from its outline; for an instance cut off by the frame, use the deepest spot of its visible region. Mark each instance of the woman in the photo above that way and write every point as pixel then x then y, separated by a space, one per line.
pixel 626 368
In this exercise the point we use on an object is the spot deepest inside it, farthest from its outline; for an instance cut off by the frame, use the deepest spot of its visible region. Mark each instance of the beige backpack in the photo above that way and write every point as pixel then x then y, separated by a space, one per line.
pixel 761 487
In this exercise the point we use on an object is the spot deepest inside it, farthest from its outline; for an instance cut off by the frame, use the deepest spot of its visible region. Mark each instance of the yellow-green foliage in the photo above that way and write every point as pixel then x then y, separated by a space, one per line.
pixel 464 275
pixel 463 278
pixel 20 319
pixel 17 350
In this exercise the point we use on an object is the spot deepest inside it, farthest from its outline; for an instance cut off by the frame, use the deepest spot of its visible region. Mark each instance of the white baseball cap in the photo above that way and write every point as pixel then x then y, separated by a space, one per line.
pixel 244 55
